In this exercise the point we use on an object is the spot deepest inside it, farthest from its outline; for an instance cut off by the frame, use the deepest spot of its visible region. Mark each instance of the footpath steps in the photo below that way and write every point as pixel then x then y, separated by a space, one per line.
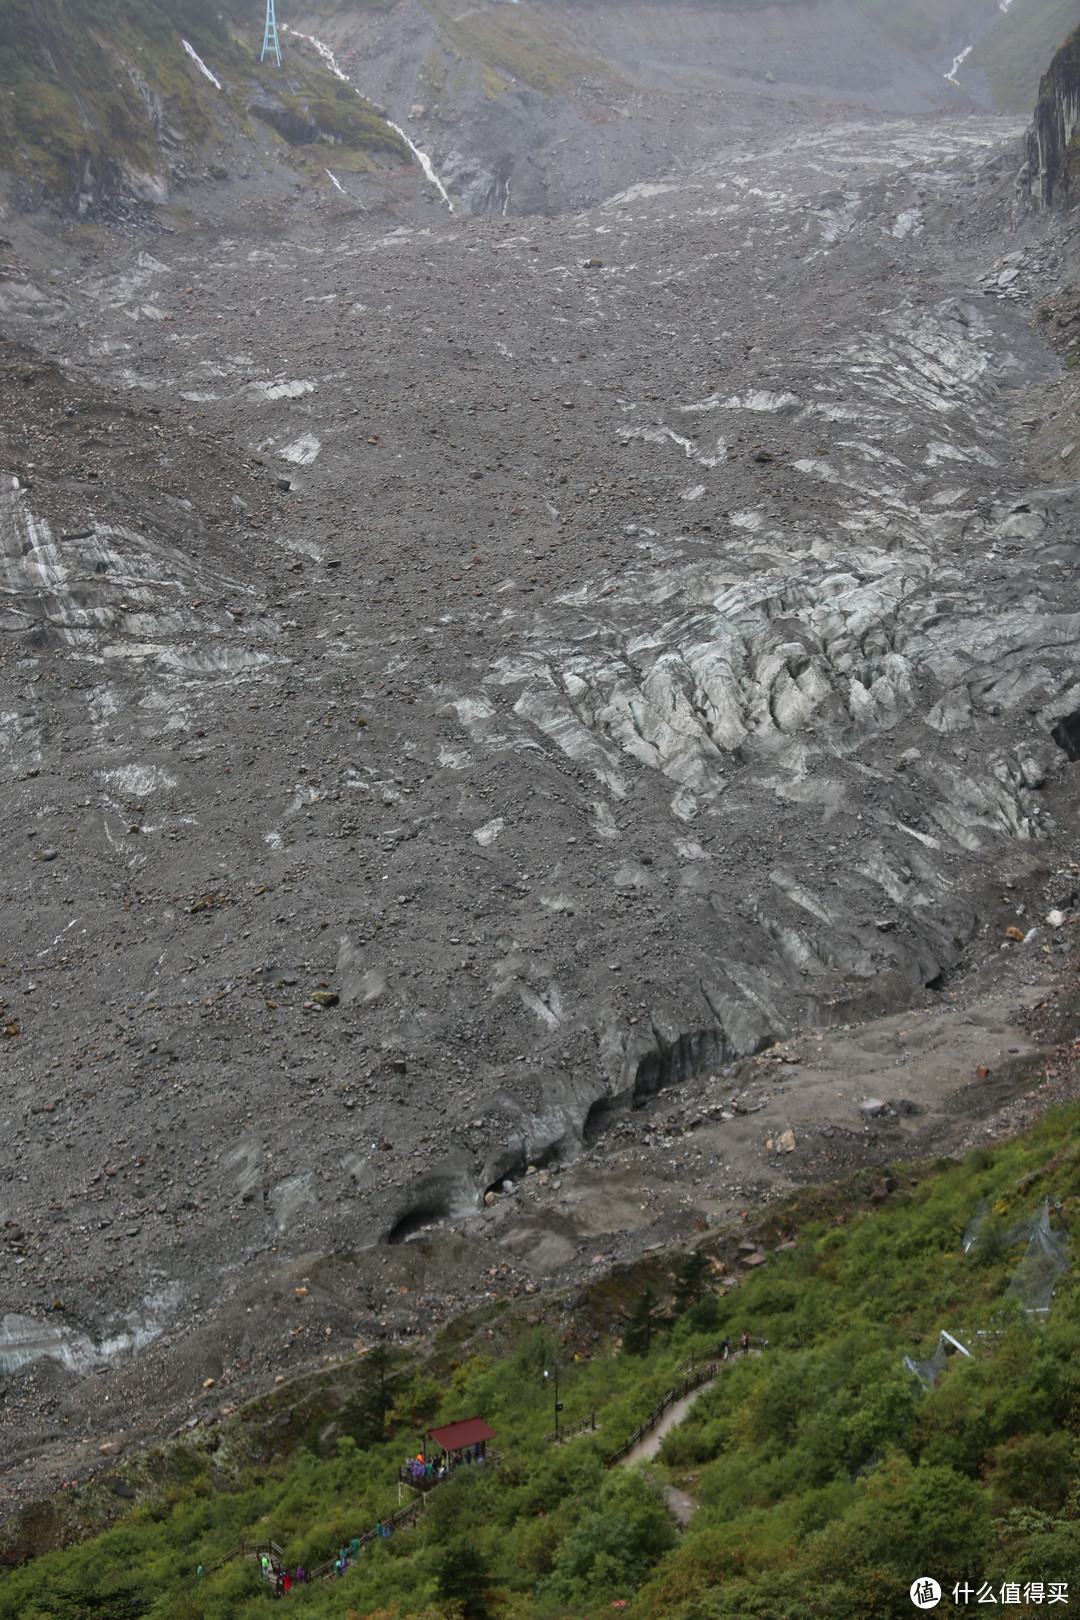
pixel 701 1368
pixel 698 1369
pixel 404 1519
pixel 256 1551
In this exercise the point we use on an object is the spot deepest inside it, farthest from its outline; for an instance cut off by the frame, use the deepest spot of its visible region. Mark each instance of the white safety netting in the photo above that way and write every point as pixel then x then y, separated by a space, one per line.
pixel 975 1225
pixel 1045 1260
pixel 929 1370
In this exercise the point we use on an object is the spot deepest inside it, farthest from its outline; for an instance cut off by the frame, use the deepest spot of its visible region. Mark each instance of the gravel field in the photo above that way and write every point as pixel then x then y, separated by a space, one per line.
pixel 523 737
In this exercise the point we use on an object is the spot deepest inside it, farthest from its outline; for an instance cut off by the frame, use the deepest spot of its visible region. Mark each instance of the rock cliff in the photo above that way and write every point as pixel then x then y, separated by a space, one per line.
pixel 1050 163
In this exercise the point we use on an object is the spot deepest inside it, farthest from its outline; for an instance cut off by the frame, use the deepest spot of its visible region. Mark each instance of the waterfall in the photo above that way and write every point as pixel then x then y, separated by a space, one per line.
pixel 964 54
pixel 322 50
pixel 200 64
pixel 425 163
pixel 422 158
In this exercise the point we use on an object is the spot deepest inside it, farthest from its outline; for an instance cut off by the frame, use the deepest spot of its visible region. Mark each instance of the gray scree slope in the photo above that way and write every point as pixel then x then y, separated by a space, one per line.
pixel 449 695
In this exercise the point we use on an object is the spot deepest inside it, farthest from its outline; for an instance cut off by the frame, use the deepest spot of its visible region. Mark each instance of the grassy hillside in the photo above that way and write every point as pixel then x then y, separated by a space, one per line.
pixel 929 28
pixel 99 97
pixel 828 1477
pixel 1016 50
pixel 528 44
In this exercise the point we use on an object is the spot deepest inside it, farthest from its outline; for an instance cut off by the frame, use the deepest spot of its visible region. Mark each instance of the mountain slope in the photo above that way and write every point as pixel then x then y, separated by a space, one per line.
pixel 1053 148
pixel 546 106
pixel 103 103
pixel 1007 62
pixel 853 1446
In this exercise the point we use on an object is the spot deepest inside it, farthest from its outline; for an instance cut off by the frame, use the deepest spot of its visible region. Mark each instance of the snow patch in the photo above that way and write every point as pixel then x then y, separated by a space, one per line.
pixel 138 781
pixel 645 188
pixel 909 220
pixel 761 400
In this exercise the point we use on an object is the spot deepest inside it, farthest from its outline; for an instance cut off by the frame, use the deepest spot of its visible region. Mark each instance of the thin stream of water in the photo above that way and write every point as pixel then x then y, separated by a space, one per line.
pixel 960 60
pixel 425 164
pixel 422 158
pixel 1003 7
pixel 200 64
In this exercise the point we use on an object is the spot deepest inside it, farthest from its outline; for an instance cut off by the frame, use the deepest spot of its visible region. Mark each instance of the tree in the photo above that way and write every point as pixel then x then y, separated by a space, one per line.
pixel 90 1603
pixel 385 1379
pixel 641 1325
pixel 417 1402
pixel 905 1518
pixel 612 1547
pixel 704 1317
pixel 461 1576
pixel 690 1278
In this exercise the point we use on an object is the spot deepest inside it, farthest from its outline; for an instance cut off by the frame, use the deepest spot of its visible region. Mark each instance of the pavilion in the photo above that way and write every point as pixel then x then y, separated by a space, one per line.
pixel 456 1438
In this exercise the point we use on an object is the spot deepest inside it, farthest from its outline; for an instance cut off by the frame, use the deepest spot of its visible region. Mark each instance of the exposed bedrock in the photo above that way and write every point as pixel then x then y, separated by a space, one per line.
pixel 1049 173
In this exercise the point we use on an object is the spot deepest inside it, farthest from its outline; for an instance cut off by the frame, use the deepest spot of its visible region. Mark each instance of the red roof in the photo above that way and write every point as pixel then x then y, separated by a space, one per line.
pixel 453 1436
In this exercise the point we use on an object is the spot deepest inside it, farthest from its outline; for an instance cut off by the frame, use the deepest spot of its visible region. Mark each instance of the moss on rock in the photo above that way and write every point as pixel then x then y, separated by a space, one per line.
pixel 108 102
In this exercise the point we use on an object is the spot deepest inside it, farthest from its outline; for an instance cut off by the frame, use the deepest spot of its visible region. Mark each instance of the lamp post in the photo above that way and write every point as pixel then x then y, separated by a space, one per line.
pixel 558 1403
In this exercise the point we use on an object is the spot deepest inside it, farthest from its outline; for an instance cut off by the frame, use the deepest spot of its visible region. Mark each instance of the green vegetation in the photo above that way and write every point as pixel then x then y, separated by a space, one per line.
pixel 1015 51
pixel 637 1340
pixel 923 27
pixel 86 91
pixel 69 105
pixel 827 1477
pixel 524 46
pixel 511 47
pixel 916 24
pixel 290 10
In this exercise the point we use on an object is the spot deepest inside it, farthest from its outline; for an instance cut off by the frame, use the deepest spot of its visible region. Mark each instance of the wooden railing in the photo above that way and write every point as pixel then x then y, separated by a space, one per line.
pixel 686 1386
pixel 252 1549
pixel 569 1431
pixel 696 1357
pixel 403 1519
pixel 703 1366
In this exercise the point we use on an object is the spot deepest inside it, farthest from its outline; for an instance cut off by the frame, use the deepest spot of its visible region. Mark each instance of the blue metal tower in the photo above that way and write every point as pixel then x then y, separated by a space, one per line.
pixel 270 36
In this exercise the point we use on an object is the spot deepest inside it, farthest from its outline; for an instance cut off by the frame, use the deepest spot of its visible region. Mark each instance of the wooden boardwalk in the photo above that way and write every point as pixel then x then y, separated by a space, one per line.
pixel 403 1519
pixel 700 1369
